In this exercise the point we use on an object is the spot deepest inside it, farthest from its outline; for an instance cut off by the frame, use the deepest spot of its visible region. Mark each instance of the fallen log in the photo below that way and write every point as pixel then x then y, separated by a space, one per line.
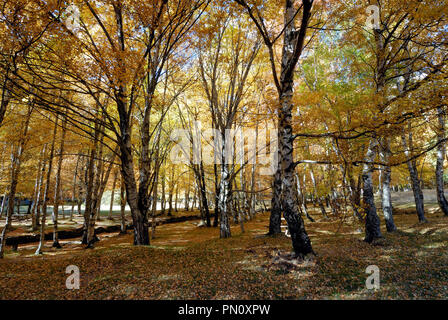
pixel 14 241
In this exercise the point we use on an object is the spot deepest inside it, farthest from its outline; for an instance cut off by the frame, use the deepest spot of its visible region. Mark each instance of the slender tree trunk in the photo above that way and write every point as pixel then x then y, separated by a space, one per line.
pixel 276 207
pixel 47 188
pixel 385 190
pixel 316 194
pixel 252 202
pixel 37 189
pixel 154 204
pixel 224 202
pixel 5 95
pixel 204 195
pixel 163 198
pixel 373 231
pixel 40 191
pixel 2 172
pixel 80 200
pixel 187 195
pixel 170 193
pixel 198 187
pixel 13 186
pixel 75 177
pixel 123 207
pixel 241 219
pixel 100 185
pixel 413 174
pixel 61 196
pixel 16 162
pixel 112 195
pixel 216 209
pixel 354 193
pixel 252 209
pixel 380 182
pixel 17 202
pixel 177 197
pixel 89 191
pixel 243 194
pixel 5 198
pixel 441 152
pixel 275 218
pixel 28 211
pixel 301 199
pixel 57 188
pixel 193 202
pixel 170 204
pixel 32 205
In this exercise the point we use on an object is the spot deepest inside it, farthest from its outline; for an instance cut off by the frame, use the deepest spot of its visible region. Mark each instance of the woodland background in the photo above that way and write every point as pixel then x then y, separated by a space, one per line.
pixel 92 91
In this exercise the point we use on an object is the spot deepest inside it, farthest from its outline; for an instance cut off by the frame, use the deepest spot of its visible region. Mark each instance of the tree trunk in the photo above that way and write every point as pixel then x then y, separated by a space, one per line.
pixel 373 231
pixel 47 188
pixel 75 177
pixel 5 198
pixel 241 220
pixel 16 162
pixel 170 193
pixel 170 204
pixel 89 191
pixel 37 188
pixel 292 48
pixel 354 191
pixel 176 199
pixel 193 204
pixel 154 203
pixel 112 195
pixel 13 186
pixel 300 240
pixel 316 194
pixel 5 95
pixel 100 185
pixel 301 199
pixel 123 207
pixel 441 152
pixel 204 195
pixel 245 208
pixel 385 190
pixel 163 198
pixel 57 187
pixel 413 174
pixel 276 210
pixel 61 196
pixel 224 201
pixel 187 195
pixel 216 209
pixel 252 209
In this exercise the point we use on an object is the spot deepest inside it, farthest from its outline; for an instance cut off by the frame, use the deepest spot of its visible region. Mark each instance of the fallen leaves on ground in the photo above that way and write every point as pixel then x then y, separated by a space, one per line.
pixel 187 262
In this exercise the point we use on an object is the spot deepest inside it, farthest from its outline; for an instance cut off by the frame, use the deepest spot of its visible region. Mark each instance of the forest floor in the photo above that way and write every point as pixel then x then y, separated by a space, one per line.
pixel 187 262
pixel 21 225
